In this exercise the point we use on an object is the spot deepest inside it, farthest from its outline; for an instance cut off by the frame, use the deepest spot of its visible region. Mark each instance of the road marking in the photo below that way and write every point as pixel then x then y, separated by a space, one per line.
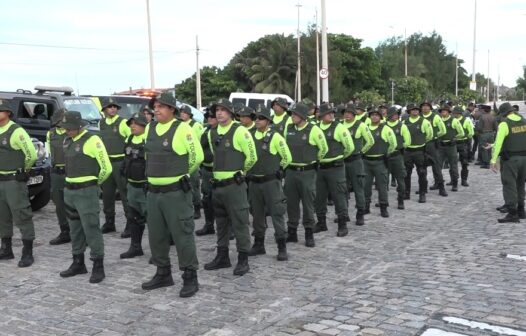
pixel 439 332
pixel 484 326
pixel 516 257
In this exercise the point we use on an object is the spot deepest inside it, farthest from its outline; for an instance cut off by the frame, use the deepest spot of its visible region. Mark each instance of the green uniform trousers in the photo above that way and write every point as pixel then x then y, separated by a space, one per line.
pixel 82 208
pixel 463 158
pixel 114 182
pixel 331 180
pixel 137 203
pixel 449 152
pixel 376 169
pixel 196 194
pixel 484 139
pixel 57 195
pixel 436 164
pixel 415 158
pixel 206 192
pixel 171 214
pixel 355 174
pixel 15 208
pixel 300 186
pixel 268 196
pixel 231 213
pixel 396 167
pixel 513 175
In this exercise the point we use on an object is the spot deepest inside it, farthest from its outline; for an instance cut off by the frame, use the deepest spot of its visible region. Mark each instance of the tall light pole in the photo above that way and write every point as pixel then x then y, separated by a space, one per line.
pixel 456 72
pixel 487 90
pixel 405 50
pixel 317 62
pixel 152 79
pixel 324 55
pixel 473 84
pixel 197 75
pixel 298 77
pixel 392 92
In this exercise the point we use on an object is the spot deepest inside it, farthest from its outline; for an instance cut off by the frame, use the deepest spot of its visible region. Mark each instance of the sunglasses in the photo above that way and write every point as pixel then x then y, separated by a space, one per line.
pixel 261 118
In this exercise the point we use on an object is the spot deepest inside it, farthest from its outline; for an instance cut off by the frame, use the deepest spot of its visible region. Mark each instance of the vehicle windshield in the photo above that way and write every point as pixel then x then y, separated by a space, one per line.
pixel 85 106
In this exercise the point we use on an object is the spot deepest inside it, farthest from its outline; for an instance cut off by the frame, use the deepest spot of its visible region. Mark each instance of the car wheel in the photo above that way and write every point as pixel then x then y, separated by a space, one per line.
pixel 40 200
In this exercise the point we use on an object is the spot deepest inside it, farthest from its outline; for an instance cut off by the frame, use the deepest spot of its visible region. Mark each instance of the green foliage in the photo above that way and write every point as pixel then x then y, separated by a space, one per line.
pixel 215 84
pixel 521 81
pixel 370 97
pixel 410 89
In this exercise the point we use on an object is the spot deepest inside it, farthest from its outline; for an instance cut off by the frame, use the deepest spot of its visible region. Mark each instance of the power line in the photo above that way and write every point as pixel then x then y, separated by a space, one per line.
pixel 33 45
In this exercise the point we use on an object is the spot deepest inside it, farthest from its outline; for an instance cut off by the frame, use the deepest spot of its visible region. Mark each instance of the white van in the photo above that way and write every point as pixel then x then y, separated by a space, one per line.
pixel 255 99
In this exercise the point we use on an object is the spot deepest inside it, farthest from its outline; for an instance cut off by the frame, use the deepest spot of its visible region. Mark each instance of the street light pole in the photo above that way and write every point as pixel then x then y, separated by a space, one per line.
pixel 392 92
pixel 405 51
pixel 298 77
pixel 317 62
pixel 152 79
pixel 456 72
pixel 324 55
pixel 473 85
pixel 197 75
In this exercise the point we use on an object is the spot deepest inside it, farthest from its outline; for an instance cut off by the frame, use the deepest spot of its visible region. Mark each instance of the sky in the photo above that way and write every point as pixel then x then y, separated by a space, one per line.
pixel 101 47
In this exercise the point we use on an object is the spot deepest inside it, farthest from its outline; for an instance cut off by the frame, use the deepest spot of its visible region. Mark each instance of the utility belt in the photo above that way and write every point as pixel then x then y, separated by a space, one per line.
pixel 352 158
pixel 262 179
pixel 396 153
pixel 447 143
pixel 374 158
pixel 507 155
pixel 139 185
pixel 207 168
pixel 459 142
pixel 238 179
pixel 59 170
pixel 81 185
pixel 20 176
pixel 416 149
pixel 488 131
pixel 183 184
pixel 116 158
pixel 332 164
pixel 303 168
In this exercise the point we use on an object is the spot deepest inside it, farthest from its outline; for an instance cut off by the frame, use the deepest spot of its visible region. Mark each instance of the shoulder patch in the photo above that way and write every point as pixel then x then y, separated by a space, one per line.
pixel 21 137
pixel 189 137
pixel 247 135
pixel 98 145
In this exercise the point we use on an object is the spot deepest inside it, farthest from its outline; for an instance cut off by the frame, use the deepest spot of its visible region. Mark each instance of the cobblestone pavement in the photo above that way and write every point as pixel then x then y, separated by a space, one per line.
pixel 396 276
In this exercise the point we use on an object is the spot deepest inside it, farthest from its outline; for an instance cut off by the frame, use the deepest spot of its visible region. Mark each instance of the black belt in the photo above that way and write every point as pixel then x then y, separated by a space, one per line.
pixel 447 143
pixel 332 164
pixel 137 184
pixel 395 153
pixel 462 141
pixel 7 177
pixel 116 159
pixel 303 168
pixel 374 158
pixel 262 179
pixel 156 189
pixel 207 168
pixel 59 170
pixel 488 131
pixel 415 149
pixel 521 153
pixel 352 158
pixel 226 182
pixel 81 185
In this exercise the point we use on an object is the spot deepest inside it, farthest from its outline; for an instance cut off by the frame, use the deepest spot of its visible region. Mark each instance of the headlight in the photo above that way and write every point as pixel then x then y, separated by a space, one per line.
pixel 41 150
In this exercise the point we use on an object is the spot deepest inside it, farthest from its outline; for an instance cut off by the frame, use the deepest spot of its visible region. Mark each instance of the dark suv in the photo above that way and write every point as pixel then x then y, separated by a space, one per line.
pixel 129 104
pixel 33 112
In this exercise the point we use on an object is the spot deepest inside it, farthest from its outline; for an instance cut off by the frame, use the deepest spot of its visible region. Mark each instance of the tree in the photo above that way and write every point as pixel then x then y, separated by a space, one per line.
pixel 410 89
pixel 215 84
pixel 370 97
pixel 521 81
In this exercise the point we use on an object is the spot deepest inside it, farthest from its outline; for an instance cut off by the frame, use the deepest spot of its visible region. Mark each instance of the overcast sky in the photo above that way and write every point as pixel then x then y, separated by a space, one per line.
pixel 108 42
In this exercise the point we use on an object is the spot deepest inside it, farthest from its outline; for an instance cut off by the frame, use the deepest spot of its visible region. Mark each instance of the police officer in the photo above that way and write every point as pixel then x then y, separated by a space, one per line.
pixel 55 144
pixel 234 154
pixel 447 144
pixel 265 190
pixel 421 132
pixel 281 118
pixel 206 174
pixel 375 161
pixel 172 154
pixel 354 170
pixel 510 145
pixel 439 130
pixel 308 145
pixel 395 162
pixel 246 117
pixel 134 169
pixel 186 116
pixel 463 144
pixel 87 166
pixel 331 171
pixel 360 113
pixel 486 129
pixel 148 114
pixel 114 132
pixel 17 156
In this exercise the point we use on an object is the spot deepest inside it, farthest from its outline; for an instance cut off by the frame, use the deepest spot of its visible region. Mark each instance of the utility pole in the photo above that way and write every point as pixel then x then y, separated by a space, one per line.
pixel 324 55
pixel 298 77
pixel 405 51
pixel 456 72
pixel 392 92
pixel 317 62
pixel 197 75
pixel 473 84
pixel 487 90
pixel 152 79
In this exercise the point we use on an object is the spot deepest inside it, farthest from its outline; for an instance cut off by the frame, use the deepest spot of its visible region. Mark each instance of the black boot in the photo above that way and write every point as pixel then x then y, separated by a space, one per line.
pixel 401 203
pixel 393 182
pixel 321 225
pixel 258 247
pixel 6 251
pixel 309 238
pixel 359 217
pixel 222 260
pixel 27 254
pixel 435 186
pixel 242 264
pixel 97 272
pixel 422 197
pixel 464 176
pixel 292 236
pixel 347 219
pixel 367 209
pixel 511 217
pixel 503 209
pixel 63 237
pixel 76 267
pixel 464 183
pixel 342 227
pixel 197 211
pixel 383 210
pixel 449 183
pixel 454 185
pixel 162 278
pixel 127 231
pixel 407 194
pixel 190 284
pixel 441 190
pixel 207 229
pixel 109 226
pixel 520 211
pixel 282 250
pixel 135 249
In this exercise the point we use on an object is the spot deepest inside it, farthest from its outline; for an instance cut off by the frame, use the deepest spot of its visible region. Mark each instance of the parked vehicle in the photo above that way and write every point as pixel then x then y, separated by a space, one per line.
pixel 255 99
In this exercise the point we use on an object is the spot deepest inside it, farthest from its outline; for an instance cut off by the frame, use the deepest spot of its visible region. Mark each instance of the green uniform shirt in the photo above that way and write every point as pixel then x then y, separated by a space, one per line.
pixel 316 138
pixel 388 136
pixel 277 146
pixel 94 148
pixel 456 128
pixel 467 125
pixel 184 142
pixel 502 133
pixel 20 140
pixel 342 135
pixel 243 142
pixel 124 130
pixel 362 134
pixel 427 129
pixel 196 127
pixel 404 132
pixel 362 117
pixel 278 119
pixel 437 123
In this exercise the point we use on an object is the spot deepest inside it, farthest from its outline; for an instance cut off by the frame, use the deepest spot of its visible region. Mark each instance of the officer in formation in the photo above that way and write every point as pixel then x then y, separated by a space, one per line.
pixel 463 143
pixel 246 117
pixel 447 148
pixel 17 156
pixel 87 166
pixel 281 118
pixel 486 129
pixel 266 191
pixel 114 133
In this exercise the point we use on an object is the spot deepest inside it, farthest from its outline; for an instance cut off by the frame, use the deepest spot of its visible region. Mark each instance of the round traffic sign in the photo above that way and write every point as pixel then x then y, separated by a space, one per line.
pixel 324 73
